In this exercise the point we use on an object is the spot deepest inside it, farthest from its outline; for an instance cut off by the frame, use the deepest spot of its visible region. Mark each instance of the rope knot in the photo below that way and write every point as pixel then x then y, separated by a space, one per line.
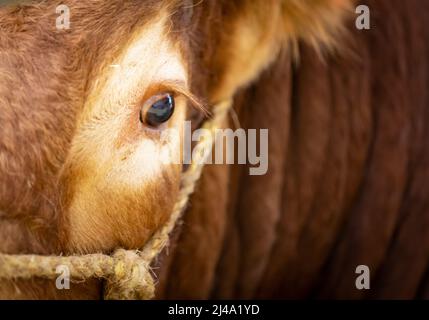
pixel 131 278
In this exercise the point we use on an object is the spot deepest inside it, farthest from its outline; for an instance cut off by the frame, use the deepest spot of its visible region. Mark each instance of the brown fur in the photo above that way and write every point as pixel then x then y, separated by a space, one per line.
pixel 345 184
pixel 347 165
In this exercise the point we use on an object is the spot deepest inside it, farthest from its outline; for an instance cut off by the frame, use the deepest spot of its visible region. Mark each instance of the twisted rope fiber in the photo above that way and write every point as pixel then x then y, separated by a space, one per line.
pixel 127 272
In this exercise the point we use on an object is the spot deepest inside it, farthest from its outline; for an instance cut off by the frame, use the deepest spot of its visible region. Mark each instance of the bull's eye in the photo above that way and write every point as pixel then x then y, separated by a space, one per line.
pixel 158 111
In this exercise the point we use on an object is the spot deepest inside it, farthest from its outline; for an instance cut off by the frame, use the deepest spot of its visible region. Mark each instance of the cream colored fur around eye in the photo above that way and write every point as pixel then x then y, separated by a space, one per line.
pixel 119 166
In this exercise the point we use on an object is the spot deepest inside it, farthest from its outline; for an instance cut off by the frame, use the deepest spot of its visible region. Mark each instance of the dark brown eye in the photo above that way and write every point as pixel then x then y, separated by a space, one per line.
pixel 159 111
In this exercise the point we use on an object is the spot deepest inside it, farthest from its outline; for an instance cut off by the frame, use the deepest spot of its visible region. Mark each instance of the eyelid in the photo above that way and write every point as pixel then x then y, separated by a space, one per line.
pixel 176 88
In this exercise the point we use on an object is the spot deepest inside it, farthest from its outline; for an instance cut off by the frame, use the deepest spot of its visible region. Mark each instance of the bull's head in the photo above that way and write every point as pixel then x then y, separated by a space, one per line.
pixel 82 110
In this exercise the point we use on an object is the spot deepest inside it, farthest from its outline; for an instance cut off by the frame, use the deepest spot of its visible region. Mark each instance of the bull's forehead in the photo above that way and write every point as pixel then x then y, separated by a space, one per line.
pixel 150 53
pixel 150 56
pixel 109 113
pixel 129 35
